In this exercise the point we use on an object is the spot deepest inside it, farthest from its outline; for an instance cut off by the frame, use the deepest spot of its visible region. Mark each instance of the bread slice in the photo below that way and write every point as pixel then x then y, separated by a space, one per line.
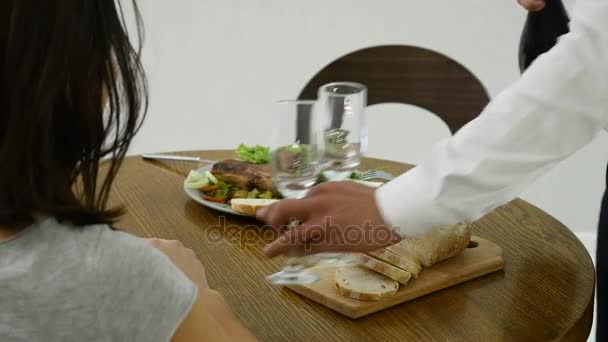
pixel 384 268
pixel 436 246
pixel 249 206
pixel 402 261
pixel 362 284
pixel 404 252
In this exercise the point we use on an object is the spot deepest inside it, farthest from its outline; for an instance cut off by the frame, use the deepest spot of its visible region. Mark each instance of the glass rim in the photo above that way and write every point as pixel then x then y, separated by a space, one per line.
pixel 297 102
pixel 358 87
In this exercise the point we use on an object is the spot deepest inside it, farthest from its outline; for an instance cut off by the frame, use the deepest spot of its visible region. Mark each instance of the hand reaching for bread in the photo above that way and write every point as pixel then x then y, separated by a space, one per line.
pixel 335 217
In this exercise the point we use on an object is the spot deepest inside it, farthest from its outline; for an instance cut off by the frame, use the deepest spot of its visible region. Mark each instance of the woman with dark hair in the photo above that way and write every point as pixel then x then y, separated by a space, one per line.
pixel 72 91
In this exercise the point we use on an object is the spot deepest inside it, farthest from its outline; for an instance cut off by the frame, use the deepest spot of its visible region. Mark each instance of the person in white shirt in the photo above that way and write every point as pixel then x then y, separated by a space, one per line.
pixel 557 107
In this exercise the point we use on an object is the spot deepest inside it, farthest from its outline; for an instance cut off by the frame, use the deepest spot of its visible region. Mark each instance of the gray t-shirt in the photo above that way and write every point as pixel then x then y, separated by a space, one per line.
pixel 61 283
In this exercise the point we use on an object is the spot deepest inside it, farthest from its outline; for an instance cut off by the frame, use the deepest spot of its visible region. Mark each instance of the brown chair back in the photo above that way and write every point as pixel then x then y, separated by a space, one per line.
pixel 409 75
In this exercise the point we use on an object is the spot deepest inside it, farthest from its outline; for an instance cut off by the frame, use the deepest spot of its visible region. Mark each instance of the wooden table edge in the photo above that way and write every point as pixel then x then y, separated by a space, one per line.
pixel 581 329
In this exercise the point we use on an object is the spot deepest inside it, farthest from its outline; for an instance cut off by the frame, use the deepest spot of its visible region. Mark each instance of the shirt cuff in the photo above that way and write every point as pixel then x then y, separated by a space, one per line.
pixel 410 207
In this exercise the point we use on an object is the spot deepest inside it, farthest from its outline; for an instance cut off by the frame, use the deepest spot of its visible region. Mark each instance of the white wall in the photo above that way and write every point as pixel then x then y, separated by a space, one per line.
pixel 215 67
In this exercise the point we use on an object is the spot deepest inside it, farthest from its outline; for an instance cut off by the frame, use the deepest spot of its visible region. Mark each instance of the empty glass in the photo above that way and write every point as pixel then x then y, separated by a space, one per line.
pixel 295 154
pixel 295 165
pixel 342 121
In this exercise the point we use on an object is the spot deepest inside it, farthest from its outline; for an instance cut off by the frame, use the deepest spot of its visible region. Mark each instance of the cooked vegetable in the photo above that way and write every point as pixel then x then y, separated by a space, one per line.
pixel 253 193
pixel 211 177
pixel 254 154
pixel 209 188
pixel 240 194
pixel 266 195
pixel 196 180
pixel 225 188
pixel 215 199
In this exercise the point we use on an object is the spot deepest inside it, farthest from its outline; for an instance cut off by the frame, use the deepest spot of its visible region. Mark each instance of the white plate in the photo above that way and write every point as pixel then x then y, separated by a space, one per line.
pixel 195 194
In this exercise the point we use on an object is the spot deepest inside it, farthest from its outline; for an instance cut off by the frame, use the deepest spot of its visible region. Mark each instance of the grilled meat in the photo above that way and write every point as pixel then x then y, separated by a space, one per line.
pixel 245 175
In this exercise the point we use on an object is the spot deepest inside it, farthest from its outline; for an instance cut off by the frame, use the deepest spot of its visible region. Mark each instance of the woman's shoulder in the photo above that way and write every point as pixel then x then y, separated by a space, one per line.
pixel 99 254
pixel 115 253
pixel 135 284
pixel 95 250
pixel 91 243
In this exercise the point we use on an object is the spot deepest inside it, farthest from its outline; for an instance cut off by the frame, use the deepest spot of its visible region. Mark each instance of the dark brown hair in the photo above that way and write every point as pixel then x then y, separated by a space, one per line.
pixel 60 60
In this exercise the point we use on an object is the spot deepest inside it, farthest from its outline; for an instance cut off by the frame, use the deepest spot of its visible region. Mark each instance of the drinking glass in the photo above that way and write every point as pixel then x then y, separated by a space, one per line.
pixel 344 136
pixel 295 166
pixel 295 153
pixel 343 128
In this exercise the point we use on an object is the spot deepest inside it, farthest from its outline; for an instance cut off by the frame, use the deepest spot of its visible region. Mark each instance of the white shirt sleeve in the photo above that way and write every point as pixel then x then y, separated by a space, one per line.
pixel 556 108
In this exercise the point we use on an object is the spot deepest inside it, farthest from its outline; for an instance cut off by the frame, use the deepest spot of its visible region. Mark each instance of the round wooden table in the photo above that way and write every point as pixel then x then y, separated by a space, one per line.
pixel 545 292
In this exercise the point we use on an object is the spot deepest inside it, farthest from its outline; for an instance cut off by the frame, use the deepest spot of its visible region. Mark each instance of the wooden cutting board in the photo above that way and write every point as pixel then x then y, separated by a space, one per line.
pixel 482 257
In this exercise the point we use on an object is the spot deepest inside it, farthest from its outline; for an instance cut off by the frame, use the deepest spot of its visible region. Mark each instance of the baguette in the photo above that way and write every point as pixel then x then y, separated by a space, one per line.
pixel 384 268
pixel 436 246
pixel 362 284
pixel 399 260
pixel 249 206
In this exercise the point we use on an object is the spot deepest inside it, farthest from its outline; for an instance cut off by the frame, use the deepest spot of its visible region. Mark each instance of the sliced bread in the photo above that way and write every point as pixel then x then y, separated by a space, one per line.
pixel 401 250
pixel 249 206
pixel 362 284
pixel 402 261
pixel 384 268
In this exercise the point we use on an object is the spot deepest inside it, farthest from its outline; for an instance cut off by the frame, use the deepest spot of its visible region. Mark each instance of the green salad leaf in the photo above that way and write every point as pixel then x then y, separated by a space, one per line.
pixel 226 188
pixel 253 154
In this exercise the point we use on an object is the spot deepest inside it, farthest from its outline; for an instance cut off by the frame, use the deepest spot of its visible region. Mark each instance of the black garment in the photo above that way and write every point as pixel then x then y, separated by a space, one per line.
pixel 602 270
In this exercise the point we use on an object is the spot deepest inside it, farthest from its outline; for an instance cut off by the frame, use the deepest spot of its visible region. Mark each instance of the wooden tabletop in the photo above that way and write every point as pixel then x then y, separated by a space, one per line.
pixel 545 292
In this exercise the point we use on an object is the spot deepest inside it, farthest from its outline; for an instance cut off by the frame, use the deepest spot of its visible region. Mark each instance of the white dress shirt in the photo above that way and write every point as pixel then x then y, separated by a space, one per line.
pixel 556 108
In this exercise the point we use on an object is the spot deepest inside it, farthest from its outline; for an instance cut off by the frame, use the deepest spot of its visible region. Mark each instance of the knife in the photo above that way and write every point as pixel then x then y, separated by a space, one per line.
pixel 149 156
